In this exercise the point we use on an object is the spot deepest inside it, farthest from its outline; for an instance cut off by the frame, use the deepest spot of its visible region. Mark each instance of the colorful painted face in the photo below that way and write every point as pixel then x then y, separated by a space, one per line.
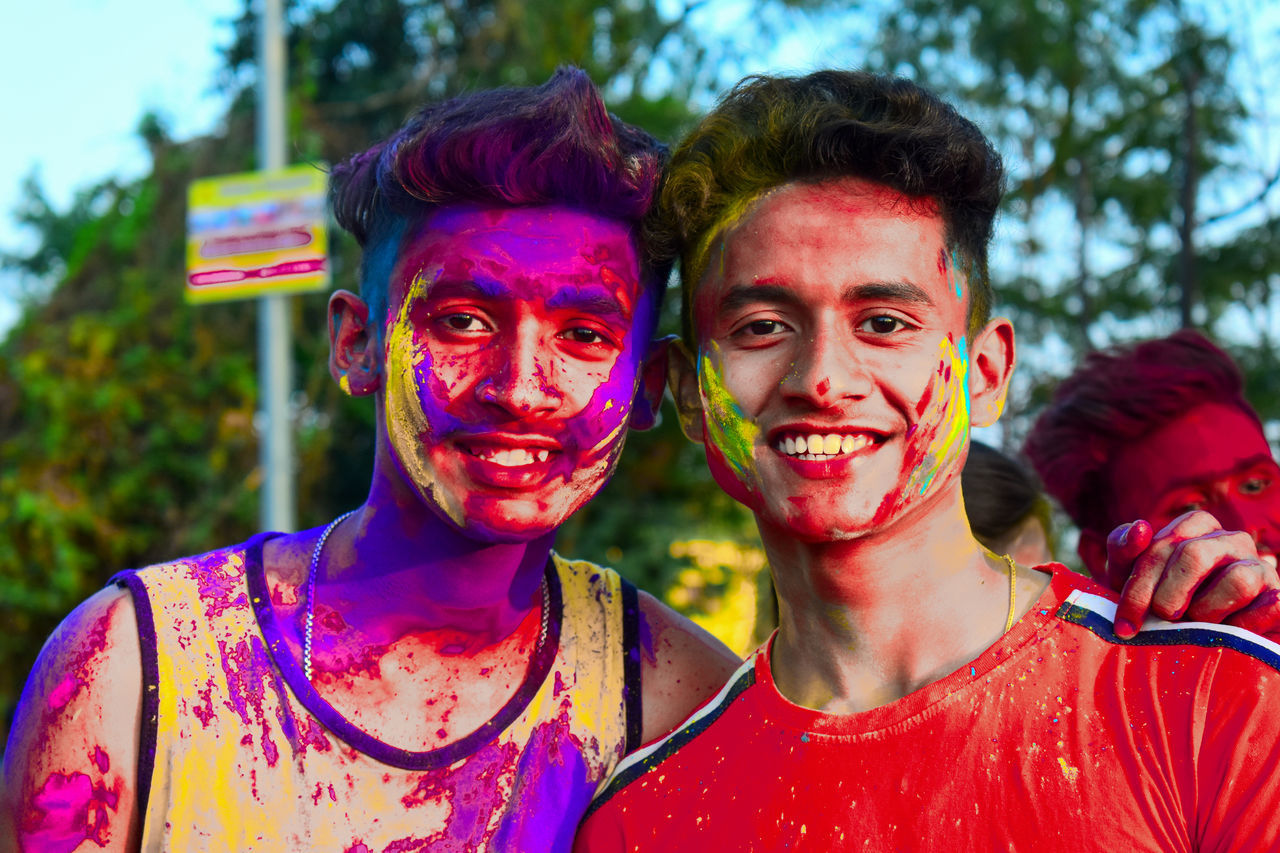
pixel 1213 458
pixel 832 359
pixel 513 348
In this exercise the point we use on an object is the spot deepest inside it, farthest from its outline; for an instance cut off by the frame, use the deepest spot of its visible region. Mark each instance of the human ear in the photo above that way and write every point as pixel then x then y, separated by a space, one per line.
pixel 682 379
pixel 353 346
pixel 653 381
pixel 991 362
pixel 1092 549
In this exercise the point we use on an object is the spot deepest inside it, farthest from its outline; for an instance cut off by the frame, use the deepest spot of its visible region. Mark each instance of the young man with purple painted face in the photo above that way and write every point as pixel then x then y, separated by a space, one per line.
pixel 421 673
pixel 920 693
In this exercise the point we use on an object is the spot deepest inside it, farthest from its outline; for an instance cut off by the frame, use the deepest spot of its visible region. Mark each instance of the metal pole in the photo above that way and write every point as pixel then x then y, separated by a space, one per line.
pixel 275 369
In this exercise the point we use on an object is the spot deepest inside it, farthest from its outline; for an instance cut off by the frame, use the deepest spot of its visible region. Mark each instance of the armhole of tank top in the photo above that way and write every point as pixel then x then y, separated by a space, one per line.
pixel 631 665
pixel 150 689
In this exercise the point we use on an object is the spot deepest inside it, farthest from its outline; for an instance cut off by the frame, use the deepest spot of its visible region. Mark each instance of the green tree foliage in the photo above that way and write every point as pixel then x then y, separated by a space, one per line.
pixel 127 416
pixel 1131 192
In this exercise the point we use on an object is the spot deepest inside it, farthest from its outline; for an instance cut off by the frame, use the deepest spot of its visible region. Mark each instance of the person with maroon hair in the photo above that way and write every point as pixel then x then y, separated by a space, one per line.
pixel 1154 431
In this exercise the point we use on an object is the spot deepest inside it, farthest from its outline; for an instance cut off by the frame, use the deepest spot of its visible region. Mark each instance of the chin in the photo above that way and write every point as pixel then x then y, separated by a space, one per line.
pixel 506 529
pixel 514 520
pixel 830 523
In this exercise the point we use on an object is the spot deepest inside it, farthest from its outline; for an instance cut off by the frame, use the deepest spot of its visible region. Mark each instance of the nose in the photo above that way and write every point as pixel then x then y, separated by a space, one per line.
pixel 826 370
pixel 522 379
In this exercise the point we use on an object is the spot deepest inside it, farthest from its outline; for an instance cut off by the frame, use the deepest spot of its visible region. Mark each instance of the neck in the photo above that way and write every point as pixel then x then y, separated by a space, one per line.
pixel 398 560
pixel 866 621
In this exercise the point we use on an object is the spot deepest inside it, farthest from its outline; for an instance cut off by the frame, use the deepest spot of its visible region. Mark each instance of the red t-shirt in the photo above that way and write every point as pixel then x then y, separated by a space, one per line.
pixel 1060 737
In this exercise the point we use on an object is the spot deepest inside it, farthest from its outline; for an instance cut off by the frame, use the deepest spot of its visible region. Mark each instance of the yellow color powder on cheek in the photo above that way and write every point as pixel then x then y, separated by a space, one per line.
pixel 728 428
pixel 950 432
pixel 405 419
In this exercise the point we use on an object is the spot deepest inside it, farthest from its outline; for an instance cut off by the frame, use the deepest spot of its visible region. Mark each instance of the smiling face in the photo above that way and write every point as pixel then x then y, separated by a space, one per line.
pixel 1213 458
pixel 513 348
pixel 832 363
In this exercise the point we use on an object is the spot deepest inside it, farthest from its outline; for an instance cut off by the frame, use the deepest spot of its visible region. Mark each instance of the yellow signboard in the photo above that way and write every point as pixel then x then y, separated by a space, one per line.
pixel 257 233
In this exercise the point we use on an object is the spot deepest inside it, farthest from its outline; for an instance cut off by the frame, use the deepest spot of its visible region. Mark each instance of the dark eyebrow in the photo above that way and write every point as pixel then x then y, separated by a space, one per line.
pixel 741 295
pixel 478 288
pixel 1196 482
pixel 876 291
pixel 887 291
pixel 590 300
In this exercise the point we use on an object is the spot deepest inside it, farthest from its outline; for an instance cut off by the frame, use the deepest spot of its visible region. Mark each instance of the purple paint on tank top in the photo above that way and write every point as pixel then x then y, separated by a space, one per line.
pixel 551 791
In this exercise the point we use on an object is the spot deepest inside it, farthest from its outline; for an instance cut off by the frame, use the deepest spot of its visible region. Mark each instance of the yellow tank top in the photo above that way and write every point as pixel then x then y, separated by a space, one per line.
pixel 239 753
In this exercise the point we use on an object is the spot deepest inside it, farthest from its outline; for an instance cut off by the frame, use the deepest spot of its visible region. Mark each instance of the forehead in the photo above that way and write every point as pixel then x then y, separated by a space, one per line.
pixel 837 233
pixel 521 250
pixel 1210 442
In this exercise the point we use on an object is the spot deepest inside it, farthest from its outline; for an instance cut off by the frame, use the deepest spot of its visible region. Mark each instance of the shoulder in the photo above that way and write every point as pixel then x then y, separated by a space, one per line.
pixel 74 741
pixel 1093 609
pixel 682 665
pixel 642 780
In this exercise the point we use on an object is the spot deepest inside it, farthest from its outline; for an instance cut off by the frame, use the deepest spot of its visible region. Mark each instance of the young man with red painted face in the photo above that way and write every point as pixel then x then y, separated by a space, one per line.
pixel 920 692
pixel 1153 431
pixel 423 673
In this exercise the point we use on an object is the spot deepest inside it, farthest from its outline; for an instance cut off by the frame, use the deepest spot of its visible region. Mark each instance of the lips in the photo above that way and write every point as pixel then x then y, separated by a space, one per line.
pixel 508 460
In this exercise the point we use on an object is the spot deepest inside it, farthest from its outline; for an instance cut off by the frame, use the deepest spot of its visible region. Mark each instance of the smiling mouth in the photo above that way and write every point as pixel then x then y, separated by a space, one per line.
pixel 820 447
pixel 508 457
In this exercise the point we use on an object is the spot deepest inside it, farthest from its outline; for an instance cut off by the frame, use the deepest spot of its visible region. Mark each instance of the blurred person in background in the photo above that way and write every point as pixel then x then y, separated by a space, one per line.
pixel 1150 432
pixel 1007 511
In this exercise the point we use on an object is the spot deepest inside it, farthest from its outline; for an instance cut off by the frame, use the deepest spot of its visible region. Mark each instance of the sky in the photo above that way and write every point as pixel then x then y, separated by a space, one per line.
pixel 77 77
pixel 79 74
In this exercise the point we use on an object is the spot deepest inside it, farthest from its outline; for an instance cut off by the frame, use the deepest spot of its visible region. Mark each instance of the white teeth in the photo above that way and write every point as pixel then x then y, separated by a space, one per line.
pixel 818 447
pixel 513 457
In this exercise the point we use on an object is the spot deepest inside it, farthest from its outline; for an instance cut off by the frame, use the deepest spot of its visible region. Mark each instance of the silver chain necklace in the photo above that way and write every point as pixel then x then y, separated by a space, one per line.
pixel 311 596
pixel 311 591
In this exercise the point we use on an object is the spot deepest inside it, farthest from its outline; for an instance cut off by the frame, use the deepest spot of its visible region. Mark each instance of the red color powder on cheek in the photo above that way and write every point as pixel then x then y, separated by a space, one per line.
pixel 100 758
pixel 925 400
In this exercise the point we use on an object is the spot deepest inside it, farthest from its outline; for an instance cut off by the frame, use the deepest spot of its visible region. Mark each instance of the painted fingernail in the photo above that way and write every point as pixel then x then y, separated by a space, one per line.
pixel 1124 537
pixel 1125 628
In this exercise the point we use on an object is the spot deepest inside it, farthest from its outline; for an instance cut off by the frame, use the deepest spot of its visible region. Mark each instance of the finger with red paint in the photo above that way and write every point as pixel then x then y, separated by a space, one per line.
pixel 1150 574
pixel 1196 570
pixel 1125 544
pixel 1262 616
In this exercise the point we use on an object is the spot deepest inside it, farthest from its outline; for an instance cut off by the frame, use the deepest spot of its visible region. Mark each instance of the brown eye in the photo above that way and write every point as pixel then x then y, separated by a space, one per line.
pixel 584 336
pixel 884 324
pixel 763 327
pixel 463 323
pixel 1254 486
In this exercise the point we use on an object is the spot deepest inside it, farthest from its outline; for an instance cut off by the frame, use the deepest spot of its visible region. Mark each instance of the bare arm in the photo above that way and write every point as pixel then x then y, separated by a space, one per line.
pixel 71 762
pixel 682 665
